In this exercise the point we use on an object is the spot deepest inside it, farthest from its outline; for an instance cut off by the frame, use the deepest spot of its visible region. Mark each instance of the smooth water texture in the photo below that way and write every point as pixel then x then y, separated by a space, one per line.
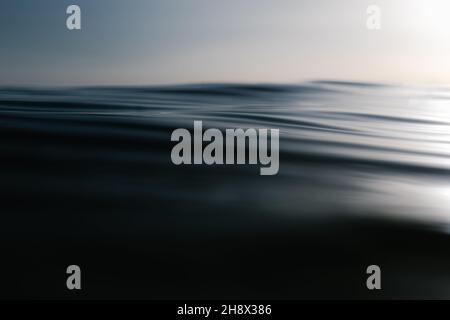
pixel 92 165
pixel 362 148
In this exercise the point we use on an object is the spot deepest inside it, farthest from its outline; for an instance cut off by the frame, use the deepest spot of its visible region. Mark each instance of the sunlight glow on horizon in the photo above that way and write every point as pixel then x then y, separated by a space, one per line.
pixel 259 41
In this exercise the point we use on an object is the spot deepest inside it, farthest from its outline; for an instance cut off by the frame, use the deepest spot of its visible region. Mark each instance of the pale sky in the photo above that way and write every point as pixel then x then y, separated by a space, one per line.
pixel 138 42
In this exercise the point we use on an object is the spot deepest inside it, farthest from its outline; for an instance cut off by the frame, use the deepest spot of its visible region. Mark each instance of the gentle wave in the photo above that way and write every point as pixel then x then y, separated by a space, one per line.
pixel 86 176
pixel 342 135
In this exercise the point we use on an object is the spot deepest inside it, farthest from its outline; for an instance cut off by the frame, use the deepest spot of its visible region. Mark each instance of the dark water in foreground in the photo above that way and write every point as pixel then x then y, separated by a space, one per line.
pixel 86 178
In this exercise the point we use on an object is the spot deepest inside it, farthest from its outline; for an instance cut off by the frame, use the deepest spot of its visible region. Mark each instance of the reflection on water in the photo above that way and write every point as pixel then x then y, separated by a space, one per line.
pixel 89 169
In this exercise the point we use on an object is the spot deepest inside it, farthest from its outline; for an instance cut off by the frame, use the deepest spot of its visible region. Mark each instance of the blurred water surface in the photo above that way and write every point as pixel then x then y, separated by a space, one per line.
pixel 364 175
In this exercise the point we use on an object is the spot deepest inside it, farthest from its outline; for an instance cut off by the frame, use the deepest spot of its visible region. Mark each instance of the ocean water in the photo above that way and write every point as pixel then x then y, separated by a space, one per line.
pixel 86 178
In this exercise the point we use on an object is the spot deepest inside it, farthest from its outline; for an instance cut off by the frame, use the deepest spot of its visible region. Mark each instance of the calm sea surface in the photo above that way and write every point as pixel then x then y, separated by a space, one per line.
pixel 86 178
